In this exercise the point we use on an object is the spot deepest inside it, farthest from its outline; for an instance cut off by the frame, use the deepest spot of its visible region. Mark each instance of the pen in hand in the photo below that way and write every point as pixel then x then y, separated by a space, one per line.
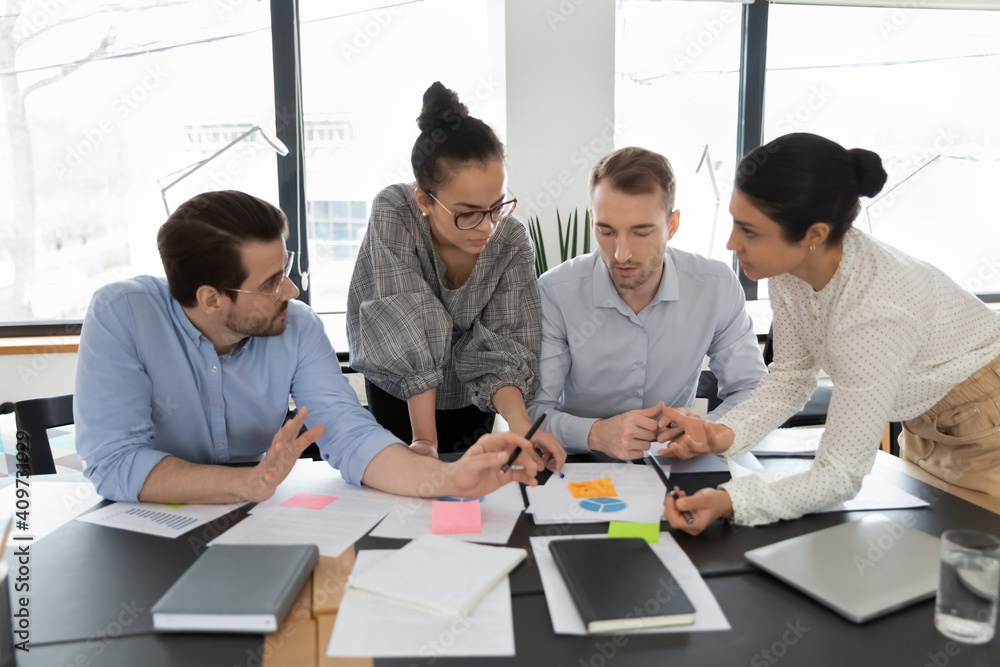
pixel 684 513
pixel 517 450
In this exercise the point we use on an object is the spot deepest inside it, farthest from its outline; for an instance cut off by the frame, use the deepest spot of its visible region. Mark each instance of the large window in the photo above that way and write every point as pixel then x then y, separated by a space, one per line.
pixel 101 99
pixel 365 67
pixel 677 67
pixel 918 86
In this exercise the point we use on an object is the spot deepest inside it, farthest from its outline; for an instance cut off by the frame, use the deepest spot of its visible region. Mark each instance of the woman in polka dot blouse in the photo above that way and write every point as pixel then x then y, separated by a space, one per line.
pixel 900 340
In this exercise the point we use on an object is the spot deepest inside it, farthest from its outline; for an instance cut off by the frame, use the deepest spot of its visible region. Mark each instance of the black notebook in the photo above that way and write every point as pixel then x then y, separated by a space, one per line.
pixel 620 584
pixel 236 588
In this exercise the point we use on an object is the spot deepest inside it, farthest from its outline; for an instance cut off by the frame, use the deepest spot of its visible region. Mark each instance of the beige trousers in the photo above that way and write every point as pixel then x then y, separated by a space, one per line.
pixel 958 440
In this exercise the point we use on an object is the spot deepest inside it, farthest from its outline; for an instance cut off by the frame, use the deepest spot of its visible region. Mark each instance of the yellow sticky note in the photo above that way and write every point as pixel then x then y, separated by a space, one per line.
pixel 647 531
pixel 595 488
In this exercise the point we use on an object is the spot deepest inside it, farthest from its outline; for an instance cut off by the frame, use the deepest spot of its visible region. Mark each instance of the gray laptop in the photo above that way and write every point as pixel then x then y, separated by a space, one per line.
pixel 861 569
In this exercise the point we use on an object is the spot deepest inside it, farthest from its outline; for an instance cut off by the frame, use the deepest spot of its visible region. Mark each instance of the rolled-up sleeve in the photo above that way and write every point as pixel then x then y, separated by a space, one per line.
pixel 112 402
pixel 353 437
pixel 397 329
pixel 502 346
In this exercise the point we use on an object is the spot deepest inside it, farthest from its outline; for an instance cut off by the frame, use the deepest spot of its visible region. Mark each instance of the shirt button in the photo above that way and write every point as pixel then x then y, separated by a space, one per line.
pixel 820 341
pixel 218 406
pixel 215 369
pixel 220 444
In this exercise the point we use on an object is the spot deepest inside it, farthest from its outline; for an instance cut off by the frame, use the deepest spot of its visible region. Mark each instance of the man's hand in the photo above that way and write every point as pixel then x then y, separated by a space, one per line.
pixel 705 507
pixel 699 437
pixel 552 452
pixel 424 448
pixel 286 447
pixel 668 429
pixel 626 436
pixel 478 471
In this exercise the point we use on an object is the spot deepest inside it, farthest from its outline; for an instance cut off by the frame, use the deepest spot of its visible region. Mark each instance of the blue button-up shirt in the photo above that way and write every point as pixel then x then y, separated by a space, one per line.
pixel 600 359
pixel 150 385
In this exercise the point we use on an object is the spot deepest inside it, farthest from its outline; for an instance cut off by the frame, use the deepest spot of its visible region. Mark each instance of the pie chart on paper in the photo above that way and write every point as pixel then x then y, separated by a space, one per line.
pixel 603 505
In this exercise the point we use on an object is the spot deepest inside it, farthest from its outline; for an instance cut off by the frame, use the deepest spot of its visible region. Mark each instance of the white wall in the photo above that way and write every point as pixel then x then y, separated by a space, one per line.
pixel 560 104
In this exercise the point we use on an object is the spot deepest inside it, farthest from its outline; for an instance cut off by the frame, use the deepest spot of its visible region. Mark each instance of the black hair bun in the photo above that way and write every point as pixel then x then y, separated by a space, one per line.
pixel 871 174
pixel 441 108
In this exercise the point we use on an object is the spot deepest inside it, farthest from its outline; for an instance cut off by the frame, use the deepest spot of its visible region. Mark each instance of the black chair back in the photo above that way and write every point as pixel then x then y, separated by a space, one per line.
pixel 34 417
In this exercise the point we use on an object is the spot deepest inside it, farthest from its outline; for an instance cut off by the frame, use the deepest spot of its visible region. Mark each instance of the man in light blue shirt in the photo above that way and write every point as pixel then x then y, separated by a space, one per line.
pixel 625 329
pixel 177 378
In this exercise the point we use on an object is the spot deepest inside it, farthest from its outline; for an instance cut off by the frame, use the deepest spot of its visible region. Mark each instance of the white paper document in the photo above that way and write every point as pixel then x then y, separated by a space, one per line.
pixel 157 518
pixel 439 575
pixel 410 518
pixel 52 503
pixel 369 627
pixel 875 493
pixel 332 528
pixel 317 477
pixel 638 496
pixel 566 620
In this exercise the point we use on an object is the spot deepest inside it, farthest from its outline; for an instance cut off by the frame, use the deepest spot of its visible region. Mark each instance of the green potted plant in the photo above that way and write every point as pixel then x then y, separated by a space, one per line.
pixel 568 238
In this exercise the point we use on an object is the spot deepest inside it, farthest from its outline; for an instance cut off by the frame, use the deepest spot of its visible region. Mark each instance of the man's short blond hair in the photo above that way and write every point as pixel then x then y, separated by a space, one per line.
pixel 636 171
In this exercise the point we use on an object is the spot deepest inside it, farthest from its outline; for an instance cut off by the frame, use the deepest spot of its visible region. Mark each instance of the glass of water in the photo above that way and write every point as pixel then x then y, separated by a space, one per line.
pixel 966 607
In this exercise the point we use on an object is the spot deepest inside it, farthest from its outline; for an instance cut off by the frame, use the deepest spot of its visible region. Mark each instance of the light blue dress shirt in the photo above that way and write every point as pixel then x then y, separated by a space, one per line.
pixel 600 359
pixel 150 385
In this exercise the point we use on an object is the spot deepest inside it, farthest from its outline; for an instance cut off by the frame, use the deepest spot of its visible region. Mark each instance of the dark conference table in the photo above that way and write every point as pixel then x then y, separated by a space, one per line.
pixel 93 587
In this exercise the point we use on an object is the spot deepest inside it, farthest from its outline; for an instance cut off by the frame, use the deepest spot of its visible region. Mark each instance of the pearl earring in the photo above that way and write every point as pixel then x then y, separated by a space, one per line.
pixel 812 248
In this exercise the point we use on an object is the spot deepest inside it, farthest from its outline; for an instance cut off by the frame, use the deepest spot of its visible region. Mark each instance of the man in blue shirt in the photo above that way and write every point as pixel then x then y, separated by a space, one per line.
pixel 177 378
pixel 625 328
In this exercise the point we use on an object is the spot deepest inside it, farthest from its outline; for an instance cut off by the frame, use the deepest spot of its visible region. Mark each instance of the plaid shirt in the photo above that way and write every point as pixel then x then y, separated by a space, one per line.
pixel 409 332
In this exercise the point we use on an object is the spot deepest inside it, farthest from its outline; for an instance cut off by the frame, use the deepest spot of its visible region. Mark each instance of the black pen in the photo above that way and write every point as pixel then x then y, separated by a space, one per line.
pixel 517 450
pixel 684 513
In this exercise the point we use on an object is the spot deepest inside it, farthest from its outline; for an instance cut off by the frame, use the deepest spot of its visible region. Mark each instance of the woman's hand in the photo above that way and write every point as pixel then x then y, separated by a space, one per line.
pixel 705 507
pixel 699 436
pixel 425 448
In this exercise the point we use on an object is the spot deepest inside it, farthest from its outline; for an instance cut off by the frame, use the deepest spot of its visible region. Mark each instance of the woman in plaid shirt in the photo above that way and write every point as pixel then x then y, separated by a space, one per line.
pixel 443 315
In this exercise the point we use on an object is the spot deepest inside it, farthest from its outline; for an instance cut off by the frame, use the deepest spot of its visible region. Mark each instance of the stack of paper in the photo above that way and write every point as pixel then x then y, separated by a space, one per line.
pixel 411 518
pixel 438 575
pixel 369 627
pixel 598 493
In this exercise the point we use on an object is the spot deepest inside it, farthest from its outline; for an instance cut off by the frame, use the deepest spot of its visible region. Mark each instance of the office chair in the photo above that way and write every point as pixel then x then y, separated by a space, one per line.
pixel 34 417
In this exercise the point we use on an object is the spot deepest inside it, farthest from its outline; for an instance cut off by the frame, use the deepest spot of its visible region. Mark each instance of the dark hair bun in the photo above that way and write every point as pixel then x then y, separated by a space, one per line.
pixel 441 107
pixel 868 167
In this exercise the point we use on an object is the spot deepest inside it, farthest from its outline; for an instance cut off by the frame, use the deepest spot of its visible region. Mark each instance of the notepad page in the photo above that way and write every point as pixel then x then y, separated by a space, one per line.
pixel 439 575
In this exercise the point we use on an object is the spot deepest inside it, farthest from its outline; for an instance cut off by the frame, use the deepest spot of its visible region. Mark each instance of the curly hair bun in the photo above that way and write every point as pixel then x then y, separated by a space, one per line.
pixel 441 108
pixel 868 167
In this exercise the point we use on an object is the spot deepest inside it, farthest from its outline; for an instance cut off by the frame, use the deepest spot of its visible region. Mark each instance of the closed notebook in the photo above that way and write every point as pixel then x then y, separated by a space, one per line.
pixel 236 588
pixel 620 584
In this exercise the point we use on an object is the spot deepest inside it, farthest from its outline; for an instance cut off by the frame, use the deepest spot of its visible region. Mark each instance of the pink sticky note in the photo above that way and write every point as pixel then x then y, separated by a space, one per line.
pixel 309 501
pixel 449 517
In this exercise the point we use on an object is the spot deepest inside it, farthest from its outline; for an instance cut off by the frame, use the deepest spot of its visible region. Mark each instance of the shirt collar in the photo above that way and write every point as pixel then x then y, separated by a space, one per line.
pixel 606 296
pixel 181 320
pixel 846 265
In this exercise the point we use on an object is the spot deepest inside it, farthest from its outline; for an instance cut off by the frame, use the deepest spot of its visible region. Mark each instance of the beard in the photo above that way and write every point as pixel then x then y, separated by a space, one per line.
pixel 643 273
pixel 259 324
